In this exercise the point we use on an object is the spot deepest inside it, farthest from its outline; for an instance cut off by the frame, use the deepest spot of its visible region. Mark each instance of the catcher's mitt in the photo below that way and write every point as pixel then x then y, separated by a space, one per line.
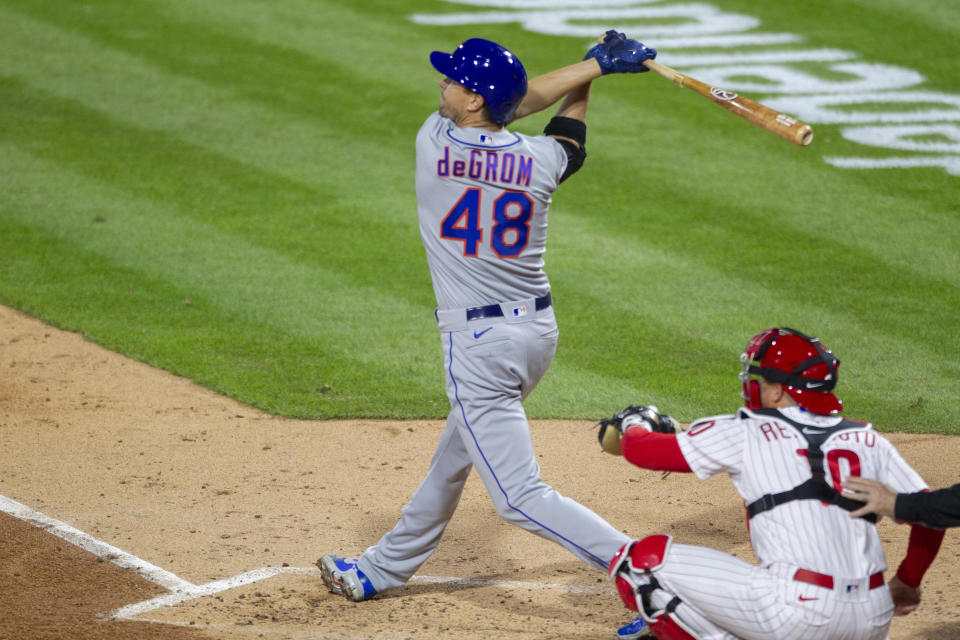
pixel 613 428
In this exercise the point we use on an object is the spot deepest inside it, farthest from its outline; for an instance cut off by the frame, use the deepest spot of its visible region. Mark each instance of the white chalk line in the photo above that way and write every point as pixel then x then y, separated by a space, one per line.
pixel 183 591
pixel 212 588
pixel 98 548
pixel 202 591
pixel 515 584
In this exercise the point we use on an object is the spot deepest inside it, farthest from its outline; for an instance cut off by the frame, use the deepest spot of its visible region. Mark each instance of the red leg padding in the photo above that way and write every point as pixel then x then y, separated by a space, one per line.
pixel 628 592
pixel 644 555
pixel 649 553
pixel 619 559
pixel 637 557
pixel 666 627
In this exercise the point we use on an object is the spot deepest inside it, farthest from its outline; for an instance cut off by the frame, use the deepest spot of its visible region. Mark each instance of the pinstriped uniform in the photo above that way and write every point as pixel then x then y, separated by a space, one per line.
pixel 482 200
pixel 725 597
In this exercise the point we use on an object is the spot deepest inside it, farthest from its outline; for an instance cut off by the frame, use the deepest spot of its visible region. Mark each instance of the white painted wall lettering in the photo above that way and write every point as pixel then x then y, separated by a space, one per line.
pixel 785 79
pixel 937 138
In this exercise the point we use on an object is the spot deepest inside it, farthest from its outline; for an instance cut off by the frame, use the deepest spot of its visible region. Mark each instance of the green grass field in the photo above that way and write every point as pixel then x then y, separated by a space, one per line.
pixel 225 190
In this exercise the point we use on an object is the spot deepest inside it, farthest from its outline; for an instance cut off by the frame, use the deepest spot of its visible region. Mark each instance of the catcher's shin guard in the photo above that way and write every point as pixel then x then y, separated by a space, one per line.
pixel 633 567
pixel 640 557
pixel 669 627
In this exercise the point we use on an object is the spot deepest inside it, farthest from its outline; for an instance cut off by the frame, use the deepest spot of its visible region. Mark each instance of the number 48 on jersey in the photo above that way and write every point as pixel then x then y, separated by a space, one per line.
pixel 511 223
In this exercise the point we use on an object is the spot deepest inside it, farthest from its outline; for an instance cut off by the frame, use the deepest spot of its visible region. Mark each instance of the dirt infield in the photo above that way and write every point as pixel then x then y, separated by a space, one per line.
pixel 231 507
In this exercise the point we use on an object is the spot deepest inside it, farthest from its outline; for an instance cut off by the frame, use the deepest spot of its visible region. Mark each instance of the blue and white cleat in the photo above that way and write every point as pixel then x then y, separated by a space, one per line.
pixel 634 631
pixel 344 579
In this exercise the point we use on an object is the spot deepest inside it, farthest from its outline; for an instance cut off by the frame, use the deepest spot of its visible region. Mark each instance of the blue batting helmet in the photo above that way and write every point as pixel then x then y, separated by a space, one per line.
pixel 488 69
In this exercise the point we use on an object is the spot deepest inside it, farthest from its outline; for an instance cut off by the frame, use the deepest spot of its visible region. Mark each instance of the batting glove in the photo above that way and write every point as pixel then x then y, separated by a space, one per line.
pixel 620 54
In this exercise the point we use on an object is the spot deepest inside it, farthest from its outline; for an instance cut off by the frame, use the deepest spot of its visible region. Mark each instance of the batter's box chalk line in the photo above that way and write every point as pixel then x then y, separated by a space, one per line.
pixel 183 591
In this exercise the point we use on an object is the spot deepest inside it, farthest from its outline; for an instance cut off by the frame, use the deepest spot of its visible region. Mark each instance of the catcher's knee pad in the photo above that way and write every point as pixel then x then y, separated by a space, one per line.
pixel 635 560
pixel 633 568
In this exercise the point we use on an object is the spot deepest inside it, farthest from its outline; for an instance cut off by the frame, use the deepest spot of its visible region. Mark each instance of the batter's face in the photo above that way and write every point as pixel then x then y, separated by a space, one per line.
pixel 456 101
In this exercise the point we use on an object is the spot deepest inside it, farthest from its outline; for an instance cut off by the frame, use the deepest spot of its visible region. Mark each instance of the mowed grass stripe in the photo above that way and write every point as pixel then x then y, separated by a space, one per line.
pixel 664 185
pixel 852 252
pixel 292 129
pixel 330 208
pixel 669 318
pixel 206 188
pixel 266 298
pixel 156 238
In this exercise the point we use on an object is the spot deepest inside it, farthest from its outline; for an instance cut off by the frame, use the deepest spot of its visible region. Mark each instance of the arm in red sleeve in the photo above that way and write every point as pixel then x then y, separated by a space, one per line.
pixel 649 450
pixel 921 550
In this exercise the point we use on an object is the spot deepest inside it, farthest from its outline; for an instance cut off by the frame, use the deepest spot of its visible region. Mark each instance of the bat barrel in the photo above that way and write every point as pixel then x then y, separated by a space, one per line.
pixel 780 124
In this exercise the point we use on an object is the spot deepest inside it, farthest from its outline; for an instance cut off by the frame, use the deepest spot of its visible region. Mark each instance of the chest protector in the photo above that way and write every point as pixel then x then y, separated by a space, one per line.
pixel 817 487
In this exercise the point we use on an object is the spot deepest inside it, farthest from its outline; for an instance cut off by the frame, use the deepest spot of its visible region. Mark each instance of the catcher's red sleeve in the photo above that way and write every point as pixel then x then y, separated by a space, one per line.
pixel 658 451
pixel 921 550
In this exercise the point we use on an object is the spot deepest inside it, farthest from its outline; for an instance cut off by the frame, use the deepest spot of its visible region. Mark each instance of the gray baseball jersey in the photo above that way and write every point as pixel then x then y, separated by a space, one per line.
pixel 482 200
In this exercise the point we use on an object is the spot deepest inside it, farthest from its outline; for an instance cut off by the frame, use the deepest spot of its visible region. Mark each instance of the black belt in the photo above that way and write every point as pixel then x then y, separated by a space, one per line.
pixel 494 310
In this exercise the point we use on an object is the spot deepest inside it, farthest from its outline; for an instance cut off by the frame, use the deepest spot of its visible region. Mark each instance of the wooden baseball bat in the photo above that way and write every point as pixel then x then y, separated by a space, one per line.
pixel 799 133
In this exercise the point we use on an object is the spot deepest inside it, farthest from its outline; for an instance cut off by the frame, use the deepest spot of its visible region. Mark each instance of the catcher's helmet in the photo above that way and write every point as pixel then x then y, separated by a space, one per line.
pixel 803 365
pixel 488 69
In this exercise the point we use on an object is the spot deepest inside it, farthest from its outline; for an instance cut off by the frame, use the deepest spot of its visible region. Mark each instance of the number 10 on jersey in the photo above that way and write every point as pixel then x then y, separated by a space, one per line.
pixel 511 223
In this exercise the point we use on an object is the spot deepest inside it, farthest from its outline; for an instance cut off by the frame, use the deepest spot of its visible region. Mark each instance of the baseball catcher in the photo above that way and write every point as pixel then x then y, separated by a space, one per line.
pixel 787 451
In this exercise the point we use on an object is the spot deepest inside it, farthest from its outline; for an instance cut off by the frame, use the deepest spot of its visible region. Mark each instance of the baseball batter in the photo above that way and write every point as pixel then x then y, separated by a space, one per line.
pixel 787 452
pixel 483 194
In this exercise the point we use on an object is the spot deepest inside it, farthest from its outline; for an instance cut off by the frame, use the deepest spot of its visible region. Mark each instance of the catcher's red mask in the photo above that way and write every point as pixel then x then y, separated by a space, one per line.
pixel 803 365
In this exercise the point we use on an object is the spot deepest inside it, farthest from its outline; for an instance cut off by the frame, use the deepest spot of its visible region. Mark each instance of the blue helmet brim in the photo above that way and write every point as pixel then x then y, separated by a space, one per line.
pixel 443 62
